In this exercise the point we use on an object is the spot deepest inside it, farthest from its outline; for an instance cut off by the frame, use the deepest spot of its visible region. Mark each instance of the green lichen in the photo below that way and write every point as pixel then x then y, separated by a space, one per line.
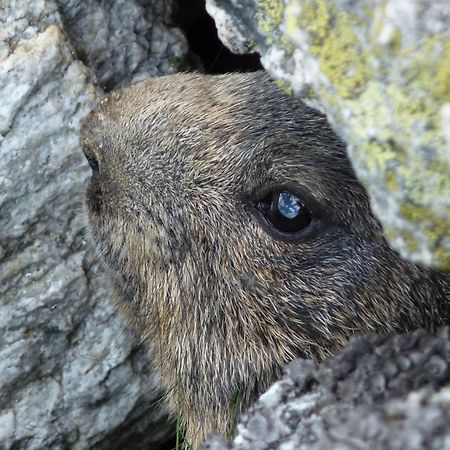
pixel 430 67
pixel 384 95
pixel 392 181
pixel 335 44
pixel 438 227
pixel 395 43
pixel 396 116
pixel 269 14
pixel 284 86
pixel 407 237
pixel 391 162
pixel 286 44
pixel 378 155
pixel 442 87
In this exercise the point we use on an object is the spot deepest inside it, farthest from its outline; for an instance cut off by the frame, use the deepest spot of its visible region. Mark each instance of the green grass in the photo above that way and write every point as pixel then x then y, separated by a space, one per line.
pixel 234 415
pixel 180 440
pixel 178 433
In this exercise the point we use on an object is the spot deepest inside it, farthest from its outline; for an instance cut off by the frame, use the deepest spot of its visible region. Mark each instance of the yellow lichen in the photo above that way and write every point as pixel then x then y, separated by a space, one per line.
pixel 333 41
pixel 442 86
pixel 438 227
pixel 269 14
pixel 284 86
pixel 287 45
pixel 384 94
pixel 378 154
pixel 427 68
pixel 392 181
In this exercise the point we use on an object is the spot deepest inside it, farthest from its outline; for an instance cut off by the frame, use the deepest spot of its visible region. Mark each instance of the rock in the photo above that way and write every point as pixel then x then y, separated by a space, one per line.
pixel 71 374
pixel 122 40
pixel 381 73
pixel 378 393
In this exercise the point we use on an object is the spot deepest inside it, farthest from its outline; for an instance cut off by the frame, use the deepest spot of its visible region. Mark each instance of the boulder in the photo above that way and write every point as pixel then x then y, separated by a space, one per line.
pixel 381 393
pixel 71 374
pixel 380 70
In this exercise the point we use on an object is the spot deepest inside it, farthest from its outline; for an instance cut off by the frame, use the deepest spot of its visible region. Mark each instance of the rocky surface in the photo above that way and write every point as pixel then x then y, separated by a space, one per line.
pixel 124 40
pixel 380 70
pixel 379 393
pixel 71 374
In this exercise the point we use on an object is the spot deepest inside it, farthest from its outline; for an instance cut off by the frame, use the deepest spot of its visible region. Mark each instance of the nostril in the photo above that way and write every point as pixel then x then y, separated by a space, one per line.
pixel 94 164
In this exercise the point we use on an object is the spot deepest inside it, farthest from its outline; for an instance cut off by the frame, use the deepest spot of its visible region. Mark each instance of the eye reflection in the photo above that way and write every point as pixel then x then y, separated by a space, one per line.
pixel 289 205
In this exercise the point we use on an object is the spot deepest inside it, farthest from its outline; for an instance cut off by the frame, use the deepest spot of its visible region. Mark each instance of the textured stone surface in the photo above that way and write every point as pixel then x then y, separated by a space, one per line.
pixel 378 393
pixel 71 375
pixel 380 70
pixel 124 40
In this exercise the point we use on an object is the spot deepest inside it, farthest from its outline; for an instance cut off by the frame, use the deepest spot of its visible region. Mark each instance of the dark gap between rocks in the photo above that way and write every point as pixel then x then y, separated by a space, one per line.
pixel 200 30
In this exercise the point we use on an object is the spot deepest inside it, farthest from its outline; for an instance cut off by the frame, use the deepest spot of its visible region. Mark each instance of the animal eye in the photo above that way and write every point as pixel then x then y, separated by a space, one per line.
pixel 284 211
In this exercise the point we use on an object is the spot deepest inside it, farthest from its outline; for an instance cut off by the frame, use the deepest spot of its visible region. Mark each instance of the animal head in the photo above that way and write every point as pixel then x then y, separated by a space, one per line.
pixel 237 234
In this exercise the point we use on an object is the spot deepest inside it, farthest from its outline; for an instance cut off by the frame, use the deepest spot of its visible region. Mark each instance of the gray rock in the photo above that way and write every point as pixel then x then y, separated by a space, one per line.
pixel 378 393
pixel 124 40
pixel 380 71
pixel 71 374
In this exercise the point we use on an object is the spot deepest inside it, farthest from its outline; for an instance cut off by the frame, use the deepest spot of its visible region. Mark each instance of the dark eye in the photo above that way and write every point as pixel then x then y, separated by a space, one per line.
pixel 284 211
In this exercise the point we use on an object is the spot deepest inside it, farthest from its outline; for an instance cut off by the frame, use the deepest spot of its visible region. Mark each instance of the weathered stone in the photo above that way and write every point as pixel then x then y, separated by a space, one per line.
pixel 71 374
pixel 123 40
pixel 378 393
pixel 380 70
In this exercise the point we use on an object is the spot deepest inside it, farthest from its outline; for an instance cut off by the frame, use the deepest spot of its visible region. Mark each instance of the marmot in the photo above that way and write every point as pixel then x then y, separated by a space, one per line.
pixel 239 238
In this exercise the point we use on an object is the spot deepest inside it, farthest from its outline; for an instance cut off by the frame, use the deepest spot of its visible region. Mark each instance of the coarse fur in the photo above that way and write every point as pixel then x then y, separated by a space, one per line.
pixel 222 303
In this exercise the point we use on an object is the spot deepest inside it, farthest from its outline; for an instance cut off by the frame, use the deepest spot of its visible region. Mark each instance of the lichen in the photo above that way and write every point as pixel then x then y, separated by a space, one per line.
pixel 382 76
pixel 389 161
pixel 438 226
pixel 332 39
pixel 431 67
pixel 392 181
pixel 284 86
pixel 269 14
pixel 442 90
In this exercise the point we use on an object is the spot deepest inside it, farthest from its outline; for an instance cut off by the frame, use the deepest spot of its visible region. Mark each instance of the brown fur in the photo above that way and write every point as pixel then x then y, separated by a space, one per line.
pixel 221 303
